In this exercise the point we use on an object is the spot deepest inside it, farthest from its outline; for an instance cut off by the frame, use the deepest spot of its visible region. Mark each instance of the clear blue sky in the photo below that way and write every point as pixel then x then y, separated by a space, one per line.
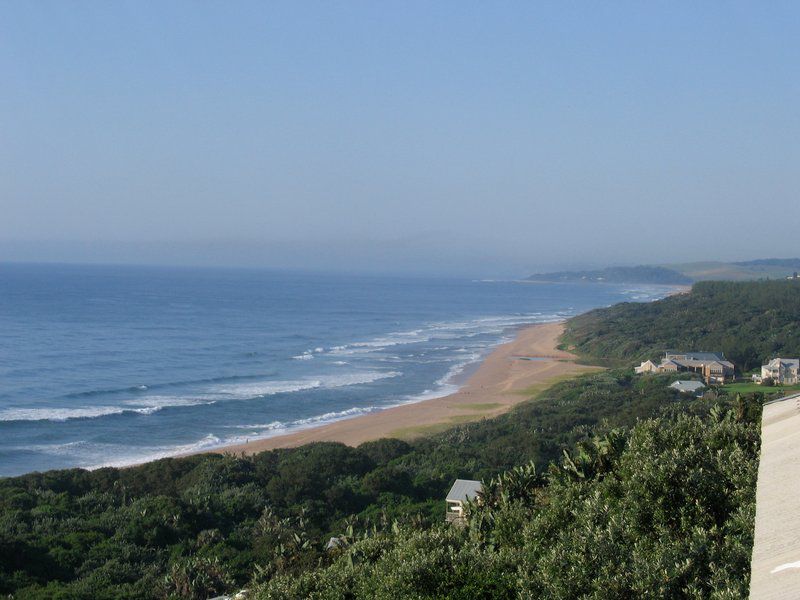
pixel 370 135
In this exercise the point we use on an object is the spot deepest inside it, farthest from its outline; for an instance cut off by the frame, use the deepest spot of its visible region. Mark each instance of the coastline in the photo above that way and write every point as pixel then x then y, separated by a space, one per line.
pixel 508 375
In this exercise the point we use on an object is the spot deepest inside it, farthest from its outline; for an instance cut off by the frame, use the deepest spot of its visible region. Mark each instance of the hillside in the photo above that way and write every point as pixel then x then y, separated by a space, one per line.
pixel 767 268
pixel 681 273
pixel 640 274
pixel 611 521
pixel 749 321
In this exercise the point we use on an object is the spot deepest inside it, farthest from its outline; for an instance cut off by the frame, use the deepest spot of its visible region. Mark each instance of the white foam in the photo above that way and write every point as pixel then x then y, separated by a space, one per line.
pixel 143 406
pixel 151 404
pixel 269 388
pixel 446 330
pixel 58 414
pixel 147 454
pixel 86 453
pixel 273 425
pixel 333 416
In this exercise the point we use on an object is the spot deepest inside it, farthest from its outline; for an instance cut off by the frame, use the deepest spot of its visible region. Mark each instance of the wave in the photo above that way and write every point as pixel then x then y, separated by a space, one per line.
pixel 107 392
pixel 151 404
pixel 447 330
pixel 269 388
pixel 144 406
pixel 86 454
pixel 446 384
pixel 164 385
pixel 58 414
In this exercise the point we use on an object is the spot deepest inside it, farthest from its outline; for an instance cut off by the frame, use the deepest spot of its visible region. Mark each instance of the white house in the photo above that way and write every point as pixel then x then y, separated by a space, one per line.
pixel 647 366
pixel 784 371
pixel 462 491
pixel 711 365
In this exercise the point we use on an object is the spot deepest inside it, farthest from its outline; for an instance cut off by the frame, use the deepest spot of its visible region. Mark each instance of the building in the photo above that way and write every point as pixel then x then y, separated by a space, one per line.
pixel 688 387
pixel 462 491
pixel 712 366
pixel 647 366
pixel 785 371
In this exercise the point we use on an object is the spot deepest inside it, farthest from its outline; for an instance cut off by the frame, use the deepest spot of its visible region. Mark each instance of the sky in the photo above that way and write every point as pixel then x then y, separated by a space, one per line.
pixel 486 138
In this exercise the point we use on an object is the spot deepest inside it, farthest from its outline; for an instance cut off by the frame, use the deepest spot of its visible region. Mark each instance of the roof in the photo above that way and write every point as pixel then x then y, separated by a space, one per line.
pixel 718 356
pixel 776 363
pixel 464 489
pixel 697 355
pixel 669 361
pixel 721 363
pixel 687 386
pixel 693 363
pixel 334 542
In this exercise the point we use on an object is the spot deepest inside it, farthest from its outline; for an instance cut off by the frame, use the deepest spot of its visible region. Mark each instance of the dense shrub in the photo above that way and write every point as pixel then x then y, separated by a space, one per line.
pixel 663 511
pixel 749 321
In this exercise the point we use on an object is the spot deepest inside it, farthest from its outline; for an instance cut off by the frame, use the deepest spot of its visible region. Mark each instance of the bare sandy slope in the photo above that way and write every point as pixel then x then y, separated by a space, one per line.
pixel 502 380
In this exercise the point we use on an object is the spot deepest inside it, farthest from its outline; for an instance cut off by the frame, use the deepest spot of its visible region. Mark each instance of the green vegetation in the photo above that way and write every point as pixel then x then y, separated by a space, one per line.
pixel 662 511
pixel 484 406
pixel 750 388
pixel 749 321
pixel 683 273
pixel 750 270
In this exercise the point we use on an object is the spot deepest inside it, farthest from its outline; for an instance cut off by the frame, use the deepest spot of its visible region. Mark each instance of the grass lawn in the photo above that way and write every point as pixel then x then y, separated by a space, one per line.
pixel 747 388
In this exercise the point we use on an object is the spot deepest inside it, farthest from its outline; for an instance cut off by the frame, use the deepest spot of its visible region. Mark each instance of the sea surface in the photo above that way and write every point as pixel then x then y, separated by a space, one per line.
pixel 108 365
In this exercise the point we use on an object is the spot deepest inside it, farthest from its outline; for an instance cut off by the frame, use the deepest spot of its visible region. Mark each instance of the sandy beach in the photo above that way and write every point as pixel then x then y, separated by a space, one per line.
pixel 510 374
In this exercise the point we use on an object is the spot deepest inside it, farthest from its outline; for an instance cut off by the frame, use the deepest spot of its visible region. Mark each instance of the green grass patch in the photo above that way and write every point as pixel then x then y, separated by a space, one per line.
pixel 533 391
pixel 749 388
pixel 418 431
pixel 480 406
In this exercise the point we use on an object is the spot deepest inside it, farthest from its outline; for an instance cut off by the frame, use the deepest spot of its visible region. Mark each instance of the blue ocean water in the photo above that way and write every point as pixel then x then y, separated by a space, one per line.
pixel 108 365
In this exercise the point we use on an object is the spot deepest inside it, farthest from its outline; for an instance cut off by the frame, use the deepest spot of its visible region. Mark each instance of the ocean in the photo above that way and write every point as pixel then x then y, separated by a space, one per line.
pixel 103 365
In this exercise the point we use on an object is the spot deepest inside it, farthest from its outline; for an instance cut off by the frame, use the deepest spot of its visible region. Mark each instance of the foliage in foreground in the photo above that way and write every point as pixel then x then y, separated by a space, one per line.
pixel 664 510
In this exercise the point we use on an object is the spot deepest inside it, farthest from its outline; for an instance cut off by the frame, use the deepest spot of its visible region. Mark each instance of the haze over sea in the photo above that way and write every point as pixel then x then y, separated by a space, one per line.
pixel 105 365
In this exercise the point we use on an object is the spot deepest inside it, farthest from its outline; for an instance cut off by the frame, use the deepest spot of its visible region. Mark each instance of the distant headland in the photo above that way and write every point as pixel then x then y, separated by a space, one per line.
pixel 681 274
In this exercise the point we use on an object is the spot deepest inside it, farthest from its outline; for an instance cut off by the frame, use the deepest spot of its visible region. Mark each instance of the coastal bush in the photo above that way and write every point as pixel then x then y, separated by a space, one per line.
pixel 664 510
pixel 749 321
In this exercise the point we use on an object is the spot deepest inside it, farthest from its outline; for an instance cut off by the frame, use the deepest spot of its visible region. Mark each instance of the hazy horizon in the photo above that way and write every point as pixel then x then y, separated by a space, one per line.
pixel 356 258
pixel 450 138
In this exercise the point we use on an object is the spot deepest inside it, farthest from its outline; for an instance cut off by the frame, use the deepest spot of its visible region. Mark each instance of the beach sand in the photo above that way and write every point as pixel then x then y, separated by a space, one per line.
pixel 502 380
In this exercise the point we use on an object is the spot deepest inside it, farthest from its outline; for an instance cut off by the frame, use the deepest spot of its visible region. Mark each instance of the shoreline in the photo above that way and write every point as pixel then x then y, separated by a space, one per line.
pixel 511 373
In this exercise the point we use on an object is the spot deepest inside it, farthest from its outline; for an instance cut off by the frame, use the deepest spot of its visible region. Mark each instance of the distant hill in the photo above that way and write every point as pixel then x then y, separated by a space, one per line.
pixel 749 321
pixel 783 263
pixel 764 268
pixel 682 273
pixel 640 274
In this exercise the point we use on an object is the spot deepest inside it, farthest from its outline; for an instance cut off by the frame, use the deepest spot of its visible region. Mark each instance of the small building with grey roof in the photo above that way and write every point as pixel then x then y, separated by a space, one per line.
pixel 688 387
pixel 463 490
